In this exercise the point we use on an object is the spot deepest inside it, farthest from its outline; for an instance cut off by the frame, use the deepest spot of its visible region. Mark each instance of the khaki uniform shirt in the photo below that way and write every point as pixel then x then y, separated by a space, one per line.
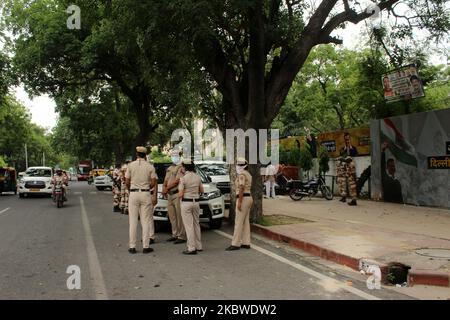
pixel 173 173
pixel 190 184
pixel 140 172
pixel 244 179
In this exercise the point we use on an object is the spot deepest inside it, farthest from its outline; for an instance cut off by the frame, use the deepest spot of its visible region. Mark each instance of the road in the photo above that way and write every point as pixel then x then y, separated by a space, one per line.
pixel 39 242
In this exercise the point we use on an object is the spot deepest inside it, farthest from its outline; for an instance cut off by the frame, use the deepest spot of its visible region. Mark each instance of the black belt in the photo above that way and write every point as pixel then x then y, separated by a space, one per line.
pixel 139 190
pixel 173 192
pixel 245 195
pixel 190 200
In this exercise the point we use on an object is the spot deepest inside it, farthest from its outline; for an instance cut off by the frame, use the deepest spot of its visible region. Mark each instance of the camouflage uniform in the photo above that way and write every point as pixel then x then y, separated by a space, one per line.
pixel 124 193
pixel 116 190
pixel 346 176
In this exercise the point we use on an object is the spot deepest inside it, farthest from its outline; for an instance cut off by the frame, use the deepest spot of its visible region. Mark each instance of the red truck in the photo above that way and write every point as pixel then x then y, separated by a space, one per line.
pixel 83 169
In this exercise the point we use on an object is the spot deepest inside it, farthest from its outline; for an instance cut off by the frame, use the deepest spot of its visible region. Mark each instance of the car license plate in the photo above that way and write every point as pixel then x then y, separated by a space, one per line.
pixel 227 197
pixel 34 190
pixel 201 212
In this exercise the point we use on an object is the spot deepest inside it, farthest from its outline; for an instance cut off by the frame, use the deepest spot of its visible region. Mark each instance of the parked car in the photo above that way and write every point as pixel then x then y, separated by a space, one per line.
pixel 36 180
pixel 219 174
pixel 103 182
pixel 212 205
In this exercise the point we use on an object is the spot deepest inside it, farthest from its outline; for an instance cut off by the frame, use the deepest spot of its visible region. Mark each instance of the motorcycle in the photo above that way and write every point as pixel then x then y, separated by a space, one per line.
pixel 59 195
pixel 299 189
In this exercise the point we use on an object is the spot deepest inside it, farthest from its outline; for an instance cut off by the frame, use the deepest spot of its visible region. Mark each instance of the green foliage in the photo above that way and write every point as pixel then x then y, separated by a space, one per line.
pixel 2 162
pixel 158 157
pixel 324 159
pixel 306 159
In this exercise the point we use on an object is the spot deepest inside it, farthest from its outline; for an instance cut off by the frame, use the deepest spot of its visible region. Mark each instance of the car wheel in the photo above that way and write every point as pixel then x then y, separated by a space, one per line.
pixel 215 223
pixel 21 195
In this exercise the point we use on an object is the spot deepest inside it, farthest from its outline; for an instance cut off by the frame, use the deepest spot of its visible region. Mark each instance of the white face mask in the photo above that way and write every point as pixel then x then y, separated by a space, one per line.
pixel 175 159
pixel 239 169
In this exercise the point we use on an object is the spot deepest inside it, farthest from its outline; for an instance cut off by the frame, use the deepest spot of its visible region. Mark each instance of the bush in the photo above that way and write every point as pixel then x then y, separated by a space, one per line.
pixel 306 159
pixel 324 159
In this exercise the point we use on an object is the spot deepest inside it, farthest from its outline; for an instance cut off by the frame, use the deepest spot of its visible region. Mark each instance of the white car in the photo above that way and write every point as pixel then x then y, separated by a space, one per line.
pixel 219 174
pixel 36 180
pixel 103 182
pixel 212 205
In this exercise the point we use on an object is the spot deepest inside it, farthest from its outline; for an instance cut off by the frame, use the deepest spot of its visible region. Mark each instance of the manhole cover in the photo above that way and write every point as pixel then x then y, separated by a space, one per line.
pixel 434 253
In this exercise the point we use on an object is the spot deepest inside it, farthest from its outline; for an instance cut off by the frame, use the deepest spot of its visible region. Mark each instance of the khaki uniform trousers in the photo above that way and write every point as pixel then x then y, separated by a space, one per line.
pixel 174 212
pixel 241 235
pixel 190 213
pixel 140 205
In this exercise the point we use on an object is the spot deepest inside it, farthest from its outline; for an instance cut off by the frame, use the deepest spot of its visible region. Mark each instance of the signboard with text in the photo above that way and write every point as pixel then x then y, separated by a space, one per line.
pixel 402 84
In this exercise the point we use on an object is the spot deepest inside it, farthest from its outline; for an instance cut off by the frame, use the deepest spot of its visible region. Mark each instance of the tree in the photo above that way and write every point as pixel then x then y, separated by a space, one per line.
pixel 116 46
pixel 254 49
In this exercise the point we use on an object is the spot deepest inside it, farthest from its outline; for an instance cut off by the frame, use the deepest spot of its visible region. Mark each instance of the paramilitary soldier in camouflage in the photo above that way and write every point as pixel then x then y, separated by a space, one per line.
pixel 346 171
pixel 116 189
pixel 124 192
pixel 346 176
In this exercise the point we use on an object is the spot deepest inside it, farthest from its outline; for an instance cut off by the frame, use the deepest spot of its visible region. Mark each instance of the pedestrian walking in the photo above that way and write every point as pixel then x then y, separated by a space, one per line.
pixel 190 188
pixel 244 201
pixel 170 190
pixel 270 175
pixel 140 179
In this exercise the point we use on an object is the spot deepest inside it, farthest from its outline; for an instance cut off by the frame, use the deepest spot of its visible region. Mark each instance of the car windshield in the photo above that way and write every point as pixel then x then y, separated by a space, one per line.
pixel 215 169
pixel 38 173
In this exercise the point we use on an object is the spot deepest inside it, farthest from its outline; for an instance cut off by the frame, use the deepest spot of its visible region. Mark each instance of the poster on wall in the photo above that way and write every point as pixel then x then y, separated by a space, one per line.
pixel 410 163
pixel 402 84
pixel 354 142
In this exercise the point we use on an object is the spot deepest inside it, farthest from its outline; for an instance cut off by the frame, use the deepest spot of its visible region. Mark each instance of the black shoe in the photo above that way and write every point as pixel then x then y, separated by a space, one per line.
pixel 232 248
pixel 132 250
pixel 245 246
pixel 199 250
pixel 352 203
pixel 171 239
pixel 189 252
pixel 116 209
pixel 179 241
pixel 343 199
pixel 147 250
pixel 152 241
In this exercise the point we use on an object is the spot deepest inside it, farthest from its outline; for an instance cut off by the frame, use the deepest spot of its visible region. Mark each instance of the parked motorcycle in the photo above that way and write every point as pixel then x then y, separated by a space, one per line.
pixel 299 189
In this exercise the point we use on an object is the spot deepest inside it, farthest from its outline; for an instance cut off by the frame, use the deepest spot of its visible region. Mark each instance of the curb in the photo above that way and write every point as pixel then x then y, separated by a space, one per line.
pixel 415 276
pixel 428 277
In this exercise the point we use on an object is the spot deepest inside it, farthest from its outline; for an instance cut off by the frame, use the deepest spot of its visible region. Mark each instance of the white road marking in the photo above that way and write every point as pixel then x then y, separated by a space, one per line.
pixel 311 272
pixel 4 210
pixel 93 192
pixel 94 264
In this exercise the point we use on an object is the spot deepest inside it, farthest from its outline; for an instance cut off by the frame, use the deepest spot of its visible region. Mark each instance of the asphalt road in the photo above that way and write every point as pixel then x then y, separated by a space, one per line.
pixel 38 242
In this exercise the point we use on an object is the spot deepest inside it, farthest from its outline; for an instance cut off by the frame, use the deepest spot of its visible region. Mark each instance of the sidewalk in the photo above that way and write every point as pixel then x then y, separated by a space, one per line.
pixel 378 232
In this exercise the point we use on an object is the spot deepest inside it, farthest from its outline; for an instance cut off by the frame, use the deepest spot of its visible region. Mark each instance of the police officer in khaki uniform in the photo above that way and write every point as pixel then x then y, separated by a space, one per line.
pixel 140 179
pixel 190 188
pixel 244 201
pixel 170 189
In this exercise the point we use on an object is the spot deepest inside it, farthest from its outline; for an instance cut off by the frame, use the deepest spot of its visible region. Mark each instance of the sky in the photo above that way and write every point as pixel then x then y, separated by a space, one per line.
pixel 42 108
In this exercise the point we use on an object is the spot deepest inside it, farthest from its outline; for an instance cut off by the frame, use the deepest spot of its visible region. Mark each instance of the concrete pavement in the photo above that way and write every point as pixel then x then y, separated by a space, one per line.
pixel 375 231
pixel 39 242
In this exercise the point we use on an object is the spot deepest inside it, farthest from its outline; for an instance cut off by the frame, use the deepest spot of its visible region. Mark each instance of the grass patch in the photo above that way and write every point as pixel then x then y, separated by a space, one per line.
pixel 276 220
